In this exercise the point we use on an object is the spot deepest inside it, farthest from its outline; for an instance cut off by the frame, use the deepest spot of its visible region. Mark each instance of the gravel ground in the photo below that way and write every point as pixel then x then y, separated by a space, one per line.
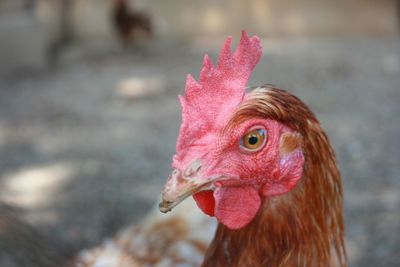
pixel 85 148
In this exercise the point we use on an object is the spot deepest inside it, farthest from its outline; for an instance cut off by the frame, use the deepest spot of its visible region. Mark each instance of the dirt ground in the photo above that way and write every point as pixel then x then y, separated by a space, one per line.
pixel 85 147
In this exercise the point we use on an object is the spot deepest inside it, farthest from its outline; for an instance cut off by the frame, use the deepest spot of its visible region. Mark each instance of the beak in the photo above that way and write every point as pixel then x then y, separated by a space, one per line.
pixel 181 185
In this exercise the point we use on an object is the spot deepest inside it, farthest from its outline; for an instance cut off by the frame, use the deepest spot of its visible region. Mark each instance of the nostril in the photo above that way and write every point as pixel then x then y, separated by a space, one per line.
pixel 188 172
pixel 193 168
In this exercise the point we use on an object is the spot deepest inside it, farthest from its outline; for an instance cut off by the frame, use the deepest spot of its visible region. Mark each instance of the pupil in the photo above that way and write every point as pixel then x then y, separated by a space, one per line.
pixel 253 140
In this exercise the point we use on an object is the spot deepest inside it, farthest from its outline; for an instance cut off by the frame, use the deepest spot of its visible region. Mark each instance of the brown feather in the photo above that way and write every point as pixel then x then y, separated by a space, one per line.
pixel 303 227
pixel 290 142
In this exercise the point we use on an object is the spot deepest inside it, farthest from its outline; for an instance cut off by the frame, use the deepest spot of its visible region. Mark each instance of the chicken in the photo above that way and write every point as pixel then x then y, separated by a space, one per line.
pixel 256 160
pixel 130 25
pixel 177 239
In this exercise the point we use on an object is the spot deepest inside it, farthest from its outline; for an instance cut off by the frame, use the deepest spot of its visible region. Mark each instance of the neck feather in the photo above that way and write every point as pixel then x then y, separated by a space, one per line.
pixel 303 227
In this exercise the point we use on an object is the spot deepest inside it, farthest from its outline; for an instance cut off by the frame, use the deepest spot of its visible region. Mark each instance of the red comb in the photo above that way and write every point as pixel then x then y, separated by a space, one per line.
pixel 208 103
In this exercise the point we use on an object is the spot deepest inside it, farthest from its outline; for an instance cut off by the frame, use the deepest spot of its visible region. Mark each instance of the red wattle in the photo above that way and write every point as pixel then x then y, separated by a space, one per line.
pixel 205 201
pixel 236 206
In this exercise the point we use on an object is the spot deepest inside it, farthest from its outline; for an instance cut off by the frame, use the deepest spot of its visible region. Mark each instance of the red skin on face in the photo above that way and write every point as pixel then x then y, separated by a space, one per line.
pixel 254 176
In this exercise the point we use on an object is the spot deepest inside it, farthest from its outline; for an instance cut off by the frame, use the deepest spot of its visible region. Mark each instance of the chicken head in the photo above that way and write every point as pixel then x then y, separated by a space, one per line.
pixel 228 162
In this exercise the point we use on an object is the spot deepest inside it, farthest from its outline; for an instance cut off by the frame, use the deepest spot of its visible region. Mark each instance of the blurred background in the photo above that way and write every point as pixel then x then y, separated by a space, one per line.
pixel 89 114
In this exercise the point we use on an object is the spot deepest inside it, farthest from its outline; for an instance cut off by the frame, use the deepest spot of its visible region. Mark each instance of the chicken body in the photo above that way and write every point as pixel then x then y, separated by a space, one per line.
pixel 130 25
pixel 174 240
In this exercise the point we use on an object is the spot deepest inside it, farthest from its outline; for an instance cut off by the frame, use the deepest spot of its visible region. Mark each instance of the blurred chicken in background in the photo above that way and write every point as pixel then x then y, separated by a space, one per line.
pixel 131 25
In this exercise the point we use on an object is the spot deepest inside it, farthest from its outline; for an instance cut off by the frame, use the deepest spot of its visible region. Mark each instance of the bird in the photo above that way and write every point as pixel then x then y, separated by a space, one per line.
pixel 255 180
pixel 130 25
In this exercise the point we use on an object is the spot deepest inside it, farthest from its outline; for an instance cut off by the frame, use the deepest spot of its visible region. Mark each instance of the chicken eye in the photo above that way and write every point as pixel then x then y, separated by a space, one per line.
pixel 254 140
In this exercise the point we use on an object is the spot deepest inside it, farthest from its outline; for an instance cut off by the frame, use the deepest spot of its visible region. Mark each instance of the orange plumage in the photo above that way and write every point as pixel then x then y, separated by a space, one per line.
pixel 303 227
